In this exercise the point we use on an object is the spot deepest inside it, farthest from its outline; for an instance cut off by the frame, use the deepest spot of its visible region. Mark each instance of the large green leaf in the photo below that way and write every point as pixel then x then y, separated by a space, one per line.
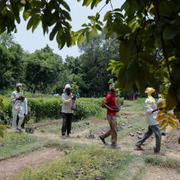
pixel 170 32
pixel 66 6
pixel 2 5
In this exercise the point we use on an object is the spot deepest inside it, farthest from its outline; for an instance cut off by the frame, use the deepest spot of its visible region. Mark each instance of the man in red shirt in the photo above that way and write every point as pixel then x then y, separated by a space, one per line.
pixel 112 108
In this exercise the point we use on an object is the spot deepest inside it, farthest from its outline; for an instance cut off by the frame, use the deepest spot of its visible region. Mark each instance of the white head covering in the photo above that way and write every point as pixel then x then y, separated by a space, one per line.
pixel 112 87
pixel 18 84
pixel 67 86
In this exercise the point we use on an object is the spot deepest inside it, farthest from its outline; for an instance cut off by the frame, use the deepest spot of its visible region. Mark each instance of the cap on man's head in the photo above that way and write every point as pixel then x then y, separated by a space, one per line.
pixel 149 90
pixel 67 86
pixel 112 87
pixel 18 84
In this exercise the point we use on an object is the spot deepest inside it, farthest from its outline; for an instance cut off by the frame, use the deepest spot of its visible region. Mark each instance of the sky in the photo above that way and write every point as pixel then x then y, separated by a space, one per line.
pixel 36 40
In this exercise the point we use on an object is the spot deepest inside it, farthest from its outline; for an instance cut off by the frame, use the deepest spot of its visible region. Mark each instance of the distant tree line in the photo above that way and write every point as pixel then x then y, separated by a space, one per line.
pixel 45 72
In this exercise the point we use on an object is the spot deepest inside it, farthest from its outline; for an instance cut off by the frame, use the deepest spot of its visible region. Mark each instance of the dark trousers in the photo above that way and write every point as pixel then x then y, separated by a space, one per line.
pixel 66 125
pixel 152 129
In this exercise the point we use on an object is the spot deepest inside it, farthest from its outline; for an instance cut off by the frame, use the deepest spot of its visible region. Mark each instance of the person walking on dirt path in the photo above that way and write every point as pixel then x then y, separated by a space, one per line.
pixel 19 107
pixel 151 117
pixel 68 101
pixel 112 108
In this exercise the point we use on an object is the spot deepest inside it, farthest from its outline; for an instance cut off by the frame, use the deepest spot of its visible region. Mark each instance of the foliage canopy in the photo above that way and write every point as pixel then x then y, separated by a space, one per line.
pixel 148 33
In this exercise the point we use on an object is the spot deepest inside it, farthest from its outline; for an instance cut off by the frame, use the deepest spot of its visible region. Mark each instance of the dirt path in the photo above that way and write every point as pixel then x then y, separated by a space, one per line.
pixel 156 173
pixel 10 168
pixel 78 137
pixel 127 143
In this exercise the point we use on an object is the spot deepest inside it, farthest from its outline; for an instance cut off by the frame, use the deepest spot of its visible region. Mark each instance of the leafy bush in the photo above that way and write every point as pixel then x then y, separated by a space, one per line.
pixel 87 107
pixel 49 107
pixel 41 108
pixel 5 110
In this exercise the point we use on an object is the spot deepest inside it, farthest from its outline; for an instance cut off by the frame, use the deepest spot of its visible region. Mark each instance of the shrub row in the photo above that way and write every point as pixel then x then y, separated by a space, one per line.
pixel 43 108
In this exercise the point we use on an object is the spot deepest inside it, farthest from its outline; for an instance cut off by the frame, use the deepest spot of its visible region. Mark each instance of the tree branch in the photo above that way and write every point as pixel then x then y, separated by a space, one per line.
pixel 164 49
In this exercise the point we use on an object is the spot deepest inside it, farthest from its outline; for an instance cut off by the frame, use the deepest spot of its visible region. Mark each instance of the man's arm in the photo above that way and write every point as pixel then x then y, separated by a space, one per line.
pixel 108 99
pixel 66 101
pixel 25 106
pixel 13 98
pixel 110 108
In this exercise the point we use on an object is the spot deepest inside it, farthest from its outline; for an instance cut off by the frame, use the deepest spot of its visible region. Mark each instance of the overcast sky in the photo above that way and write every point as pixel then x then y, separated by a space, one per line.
pixel 32 41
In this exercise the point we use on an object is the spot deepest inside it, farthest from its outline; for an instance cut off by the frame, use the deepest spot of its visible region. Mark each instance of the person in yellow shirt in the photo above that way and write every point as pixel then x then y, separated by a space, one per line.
pixel 151 118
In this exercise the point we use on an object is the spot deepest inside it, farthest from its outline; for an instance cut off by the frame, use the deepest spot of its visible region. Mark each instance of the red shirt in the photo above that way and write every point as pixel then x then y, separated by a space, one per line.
pixel 111 102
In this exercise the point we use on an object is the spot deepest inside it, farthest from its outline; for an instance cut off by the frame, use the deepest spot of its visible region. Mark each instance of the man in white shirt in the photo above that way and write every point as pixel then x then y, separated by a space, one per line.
pixel 19 107
pixel 67 110
pixel 151 118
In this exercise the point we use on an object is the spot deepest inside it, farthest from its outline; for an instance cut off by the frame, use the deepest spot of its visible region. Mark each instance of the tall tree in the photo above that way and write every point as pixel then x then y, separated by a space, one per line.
pixel 149 41
pixel 73 72
pixel 5 63
pixel 42 70
pixel 94 62
pixel 11 62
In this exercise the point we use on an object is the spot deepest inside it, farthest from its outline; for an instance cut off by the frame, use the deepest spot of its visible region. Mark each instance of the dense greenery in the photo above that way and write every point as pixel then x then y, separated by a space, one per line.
pixel 147 31
pixel 11 62
pixel 149 41
pixel 49 108
pixel 42 70
pixel 45 72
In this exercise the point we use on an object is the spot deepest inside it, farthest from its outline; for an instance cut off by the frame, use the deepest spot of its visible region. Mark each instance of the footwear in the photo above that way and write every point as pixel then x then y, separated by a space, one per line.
pixel 138 148
pixel 103 140
pixel 19 130
pixel 115 146
pixel 163 134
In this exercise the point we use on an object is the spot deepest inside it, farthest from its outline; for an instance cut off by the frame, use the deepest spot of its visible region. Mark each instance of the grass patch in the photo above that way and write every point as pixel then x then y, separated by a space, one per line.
pixel 77 126
pixel 16 143
pixel 135 127
pixel 134 106
pixel 163 162
pixel 133 170
pixel 87 163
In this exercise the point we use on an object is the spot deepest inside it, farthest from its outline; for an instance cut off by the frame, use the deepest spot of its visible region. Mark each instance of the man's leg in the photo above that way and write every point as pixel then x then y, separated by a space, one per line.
pixel 157 133
pixel 64 124
pixel 21 119
pixel 146 136
pixel 107 133
pixel 69 122
pixel 14 120
pixel 24 122
pixel 17 120
pixel 113 125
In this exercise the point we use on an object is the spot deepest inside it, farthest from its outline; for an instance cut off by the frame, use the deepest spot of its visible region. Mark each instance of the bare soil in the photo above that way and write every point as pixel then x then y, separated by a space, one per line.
pixel 10 168
pixel 157 173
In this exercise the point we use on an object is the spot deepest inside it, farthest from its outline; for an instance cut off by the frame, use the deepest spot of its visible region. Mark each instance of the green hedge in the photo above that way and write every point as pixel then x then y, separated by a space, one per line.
pixel 42 108
pixel 49 107
pixel 87 107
